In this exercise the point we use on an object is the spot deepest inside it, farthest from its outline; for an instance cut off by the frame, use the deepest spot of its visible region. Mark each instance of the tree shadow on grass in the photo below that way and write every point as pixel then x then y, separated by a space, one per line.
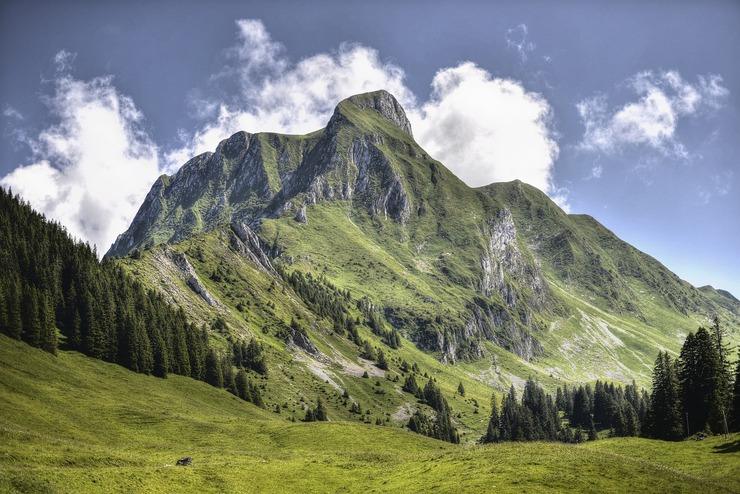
pixel 729 447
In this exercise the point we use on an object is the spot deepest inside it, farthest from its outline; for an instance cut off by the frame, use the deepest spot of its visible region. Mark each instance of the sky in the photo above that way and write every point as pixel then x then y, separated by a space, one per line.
pixel 626 111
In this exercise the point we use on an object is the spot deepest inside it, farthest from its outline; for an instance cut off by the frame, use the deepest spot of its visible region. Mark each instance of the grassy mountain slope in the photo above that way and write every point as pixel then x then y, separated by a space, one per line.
pixel 498 280
pixel 68 428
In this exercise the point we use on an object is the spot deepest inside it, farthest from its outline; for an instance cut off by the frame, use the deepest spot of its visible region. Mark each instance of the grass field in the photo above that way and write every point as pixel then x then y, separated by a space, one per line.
pixel 72 424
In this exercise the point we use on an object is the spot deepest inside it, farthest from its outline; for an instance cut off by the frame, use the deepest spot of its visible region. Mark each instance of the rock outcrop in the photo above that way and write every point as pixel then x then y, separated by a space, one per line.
pixel 191 277
pixel 247 243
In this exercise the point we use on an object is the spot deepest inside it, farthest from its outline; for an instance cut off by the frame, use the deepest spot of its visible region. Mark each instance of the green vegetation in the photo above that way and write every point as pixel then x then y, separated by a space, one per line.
pixel 693 394
pixel 377 289
pixel 67 428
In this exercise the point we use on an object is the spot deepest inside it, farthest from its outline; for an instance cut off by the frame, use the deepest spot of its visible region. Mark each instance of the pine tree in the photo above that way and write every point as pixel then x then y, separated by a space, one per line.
pixel 410 386
pixel 493 434
pixel 229 377
pixel 48 332
pixel 723 380
pixel 510 418
pixel 30 316
pixel 381 362
pixel 255 395
pixel 592 436
pixel 664 414
pixel 254 357
pixel 14 328
pixel 704 382
pixel 461 389
pixel 581 414
pixel 213 373
pixel 320 413
pixel 161 359
pixel 242 385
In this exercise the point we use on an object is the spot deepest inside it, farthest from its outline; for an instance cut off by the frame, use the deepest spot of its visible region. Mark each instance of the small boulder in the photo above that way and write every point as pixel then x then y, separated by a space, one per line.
pixel 185 461
pixel 300 215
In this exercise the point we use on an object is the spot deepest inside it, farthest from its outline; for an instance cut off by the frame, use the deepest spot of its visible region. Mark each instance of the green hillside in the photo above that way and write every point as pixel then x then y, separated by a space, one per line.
pixel 75 424
pixel 487 286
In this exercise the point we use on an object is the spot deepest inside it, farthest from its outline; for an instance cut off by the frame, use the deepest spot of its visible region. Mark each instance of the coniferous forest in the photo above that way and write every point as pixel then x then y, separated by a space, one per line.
pixel 695 393
pixel 55 293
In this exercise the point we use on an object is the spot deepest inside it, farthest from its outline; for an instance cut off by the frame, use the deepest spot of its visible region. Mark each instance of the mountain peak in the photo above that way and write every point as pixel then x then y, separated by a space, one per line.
pixel 382 102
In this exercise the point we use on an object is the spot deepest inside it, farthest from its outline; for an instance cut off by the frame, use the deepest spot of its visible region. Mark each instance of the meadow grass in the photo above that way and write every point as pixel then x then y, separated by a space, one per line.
pixel 74 424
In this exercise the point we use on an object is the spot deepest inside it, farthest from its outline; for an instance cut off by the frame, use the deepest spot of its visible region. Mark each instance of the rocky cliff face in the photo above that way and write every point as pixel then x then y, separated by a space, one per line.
pixel 504 264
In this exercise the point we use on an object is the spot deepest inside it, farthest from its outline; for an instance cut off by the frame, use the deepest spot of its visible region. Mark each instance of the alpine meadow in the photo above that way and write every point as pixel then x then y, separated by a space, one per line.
pixel 384 304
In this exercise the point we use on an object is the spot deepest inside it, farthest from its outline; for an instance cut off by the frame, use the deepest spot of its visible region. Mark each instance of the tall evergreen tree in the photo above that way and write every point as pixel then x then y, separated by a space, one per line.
pixel 664 414
pixel 213 372
pixel 492 434
pixel 704 383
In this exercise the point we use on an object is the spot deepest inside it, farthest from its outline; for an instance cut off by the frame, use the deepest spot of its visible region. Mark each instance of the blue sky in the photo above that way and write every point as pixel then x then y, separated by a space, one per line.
pixel 627 111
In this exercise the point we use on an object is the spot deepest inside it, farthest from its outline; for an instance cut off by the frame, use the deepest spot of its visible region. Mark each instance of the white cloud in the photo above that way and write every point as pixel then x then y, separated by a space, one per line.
pixel 93 168
pixel 11 113
pixel 517 38
pixel 652 120
pixel 63 60
pixel 276 95
pixel 485 129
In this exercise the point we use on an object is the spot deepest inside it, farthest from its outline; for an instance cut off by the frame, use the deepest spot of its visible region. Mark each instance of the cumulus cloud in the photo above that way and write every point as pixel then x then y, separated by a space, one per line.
pixel 664 98
pixel 485 129
pixel 279 96
pixel 92 169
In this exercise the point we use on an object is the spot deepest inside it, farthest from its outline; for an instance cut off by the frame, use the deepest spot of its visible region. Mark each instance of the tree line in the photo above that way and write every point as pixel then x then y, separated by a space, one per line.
pixel 694 393
pixel 55 293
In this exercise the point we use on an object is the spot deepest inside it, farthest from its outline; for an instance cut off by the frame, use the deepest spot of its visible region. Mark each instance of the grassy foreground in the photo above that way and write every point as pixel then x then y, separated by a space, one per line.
pixel 72 424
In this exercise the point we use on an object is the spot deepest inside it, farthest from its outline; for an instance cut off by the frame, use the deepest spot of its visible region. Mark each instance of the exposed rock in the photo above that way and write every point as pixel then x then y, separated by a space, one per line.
pixel 503 258
pixel 247 243
pixel 497 324
pixel 300 215
pixel 185 461
pixel 300 339
pixel 191 277
pixel 378 183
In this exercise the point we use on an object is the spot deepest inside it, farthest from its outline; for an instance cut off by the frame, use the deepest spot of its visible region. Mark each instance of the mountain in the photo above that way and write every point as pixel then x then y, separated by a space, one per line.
pixel 497 280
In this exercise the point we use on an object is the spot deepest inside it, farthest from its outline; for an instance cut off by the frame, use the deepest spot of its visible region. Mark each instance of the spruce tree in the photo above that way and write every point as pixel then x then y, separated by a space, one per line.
pixel 510 418
pixel 410 386
pixel 493 434
pixel 592 436
pixel 242 385
pixel 213 373
pixel 581 414
pixel 320 413
pixel 30 316
pixel 461 389
pixel 381 362
pixel 664 414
